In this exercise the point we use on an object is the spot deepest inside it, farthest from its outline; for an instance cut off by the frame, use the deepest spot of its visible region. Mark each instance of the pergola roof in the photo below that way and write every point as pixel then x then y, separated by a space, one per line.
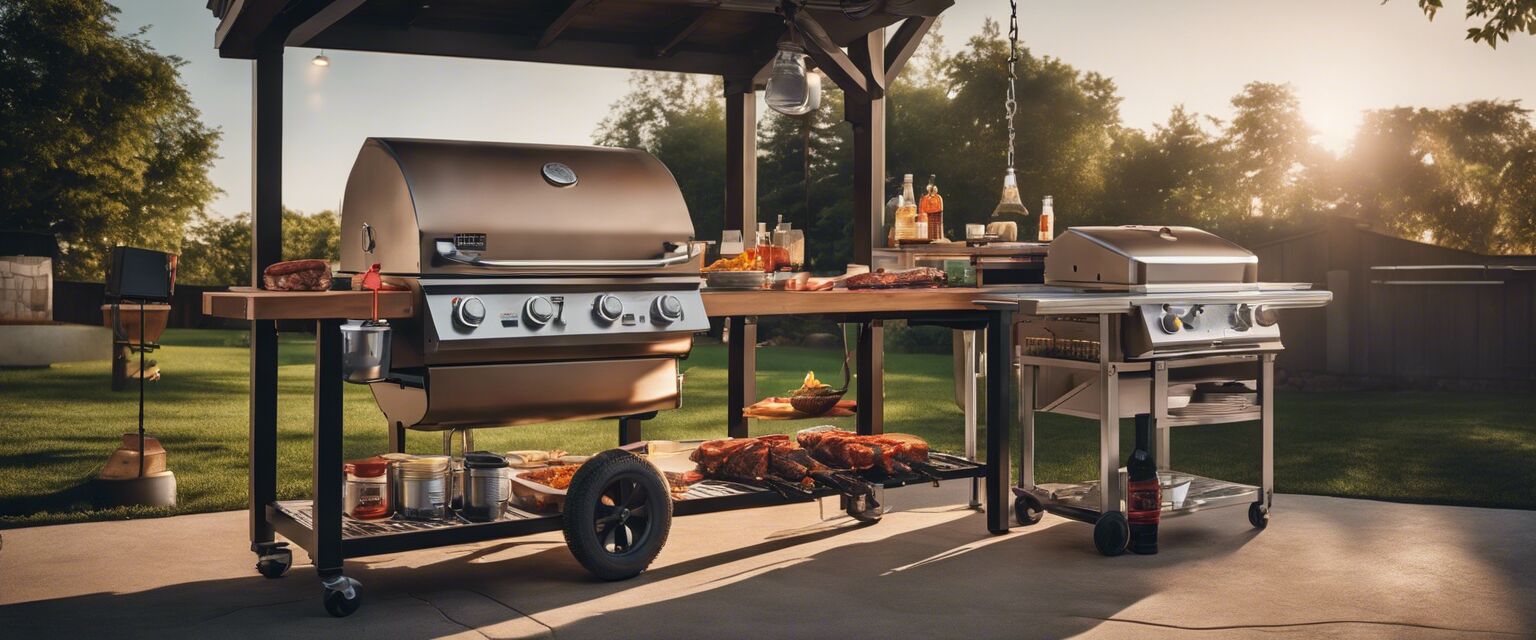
pixel 731 38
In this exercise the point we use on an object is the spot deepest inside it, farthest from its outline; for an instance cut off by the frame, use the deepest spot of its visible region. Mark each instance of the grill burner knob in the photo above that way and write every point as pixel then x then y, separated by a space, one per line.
pixel 608 308
pixel 668 309
pixel 1170 321
pixel 1266 317
pixel 470 312
pixel 538 311
pixel 1192 319
pixel 1242 317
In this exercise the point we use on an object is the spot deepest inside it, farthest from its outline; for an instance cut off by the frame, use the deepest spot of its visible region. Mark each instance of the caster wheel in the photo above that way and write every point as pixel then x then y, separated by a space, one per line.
pixel 341 596
pixel 617 515
pixel 1258 516
pixel 1111 534
pixel 275 562
pixel 863 508
pixel 1028 510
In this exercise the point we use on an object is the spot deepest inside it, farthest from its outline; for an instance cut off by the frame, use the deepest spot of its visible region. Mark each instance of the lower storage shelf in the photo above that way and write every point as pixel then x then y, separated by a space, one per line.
pixel 359 538
pixel 1183 494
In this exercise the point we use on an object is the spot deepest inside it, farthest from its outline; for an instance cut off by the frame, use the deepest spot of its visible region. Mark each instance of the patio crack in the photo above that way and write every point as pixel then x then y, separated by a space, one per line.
pixel 1314 623
pixel 515 609
pixel 246 608
pixel 445 615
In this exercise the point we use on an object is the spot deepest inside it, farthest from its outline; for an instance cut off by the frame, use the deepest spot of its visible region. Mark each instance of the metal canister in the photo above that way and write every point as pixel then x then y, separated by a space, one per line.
pixel 487 486
pixel 424 488
pixel 365 351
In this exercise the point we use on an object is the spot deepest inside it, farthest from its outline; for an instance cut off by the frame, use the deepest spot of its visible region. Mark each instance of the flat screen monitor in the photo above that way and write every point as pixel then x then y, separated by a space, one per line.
pixel 141 274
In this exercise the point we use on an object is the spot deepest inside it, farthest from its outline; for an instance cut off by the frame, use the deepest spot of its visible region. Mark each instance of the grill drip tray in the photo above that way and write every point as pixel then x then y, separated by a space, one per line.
pixel 701 497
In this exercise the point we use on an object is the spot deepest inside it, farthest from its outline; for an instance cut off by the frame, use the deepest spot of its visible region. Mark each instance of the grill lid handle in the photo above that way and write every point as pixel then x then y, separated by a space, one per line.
pixel 447 251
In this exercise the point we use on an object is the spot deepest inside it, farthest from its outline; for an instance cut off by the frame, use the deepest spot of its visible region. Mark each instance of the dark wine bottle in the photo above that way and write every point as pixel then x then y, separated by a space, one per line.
pixel 1144 496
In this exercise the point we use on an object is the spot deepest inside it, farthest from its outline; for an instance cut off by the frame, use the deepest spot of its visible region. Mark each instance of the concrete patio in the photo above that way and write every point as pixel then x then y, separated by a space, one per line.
pixel 1326 567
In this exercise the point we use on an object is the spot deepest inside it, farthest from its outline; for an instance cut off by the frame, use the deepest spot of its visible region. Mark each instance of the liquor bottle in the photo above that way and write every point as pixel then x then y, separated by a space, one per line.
pixel 1010 214
pixel 932 205
pixel 1047 220
pixel 1143 494
pixel 906 213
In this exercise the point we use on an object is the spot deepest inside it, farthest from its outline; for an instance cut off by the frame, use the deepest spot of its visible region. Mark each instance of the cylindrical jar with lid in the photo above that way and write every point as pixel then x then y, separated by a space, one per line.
pixel 366 492
pixel 424 488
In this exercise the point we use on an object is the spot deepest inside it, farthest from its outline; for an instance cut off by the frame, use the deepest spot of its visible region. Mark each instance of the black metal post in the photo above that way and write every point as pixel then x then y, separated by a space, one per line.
pixel 630 427
pixel 397 438
pixel 1001 409
pixel 326 513
pixel 871 380
pixel 266 249
pixel 741 373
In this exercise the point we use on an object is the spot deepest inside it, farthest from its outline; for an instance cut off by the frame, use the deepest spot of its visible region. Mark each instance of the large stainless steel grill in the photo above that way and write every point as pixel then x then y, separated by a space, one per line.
pixel 555 282
pixel 1135 321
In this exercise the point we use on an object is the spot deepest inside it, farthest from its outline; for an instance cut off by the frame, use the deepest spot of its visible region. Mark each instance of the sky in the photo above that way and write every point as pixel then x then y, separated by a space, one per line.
pixel 1341 56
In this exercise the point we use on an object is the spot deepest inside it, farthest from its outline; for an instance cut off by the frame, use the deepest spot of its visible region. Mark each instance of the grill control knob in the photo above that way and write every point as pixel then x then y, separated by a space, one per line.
pixel 1192 318
pixel 1242 317
pixel 667 309
pixel 470 312
pixel 608 308
pixel 1266 316
pixel 1170 321
pixel 538 311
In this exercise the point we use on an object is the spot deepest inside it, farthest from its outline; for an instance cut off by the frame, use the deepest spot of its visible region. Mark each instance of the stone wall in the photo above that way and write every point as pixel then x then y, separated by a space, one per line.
pixel 26 289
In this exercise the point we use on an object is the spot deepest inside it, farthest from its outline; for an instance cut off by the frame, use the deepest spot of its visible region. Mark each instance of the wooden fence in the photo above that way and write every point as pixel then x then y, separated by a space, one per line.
pixel 80 303
pixel 1458 322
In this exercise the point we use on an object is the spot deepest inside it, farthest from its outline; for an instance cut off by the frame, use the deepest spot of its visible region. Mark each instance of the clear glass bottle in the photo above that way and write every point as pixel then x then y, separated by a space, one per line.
pixel 906 212
pixel 1010 215
pixel 1047 221
pixel 932 205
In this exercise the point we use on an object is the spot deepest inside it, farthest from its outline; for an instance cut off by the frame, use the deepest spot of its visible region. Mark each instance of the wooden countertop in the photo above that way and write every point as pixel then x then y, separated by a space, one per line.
pixel 246 303
pixel 784 303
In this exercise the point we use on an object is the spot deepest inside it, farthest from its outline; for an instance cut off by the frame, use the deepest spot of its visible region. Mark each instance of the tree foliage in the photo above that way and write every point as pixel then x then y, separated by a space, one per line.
pixel 1500 18
pixel 99 142
pixel 218 250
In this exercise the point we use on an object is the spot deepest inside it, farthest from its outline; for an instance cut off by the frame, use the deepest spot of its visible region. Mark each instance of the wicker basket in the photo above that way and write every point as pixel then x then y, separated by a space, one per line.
pixel 815 405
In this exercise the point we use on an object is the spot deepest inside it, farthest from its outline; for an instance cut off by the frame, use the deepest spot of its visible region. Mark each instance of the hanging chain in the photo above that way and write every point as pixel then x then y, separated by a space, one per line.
pixel 1011 105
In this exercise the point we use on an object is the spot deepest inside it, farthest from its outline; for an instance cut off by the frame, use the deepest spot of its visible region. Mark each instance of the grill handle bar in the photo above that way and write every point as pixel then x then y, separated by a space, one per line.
pixel 447 251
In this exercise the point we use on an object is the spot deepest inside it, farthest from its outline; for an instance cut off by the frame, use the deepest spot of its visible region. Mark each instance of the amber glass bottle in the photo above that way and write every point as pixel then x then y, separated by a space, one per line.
pixel 932 205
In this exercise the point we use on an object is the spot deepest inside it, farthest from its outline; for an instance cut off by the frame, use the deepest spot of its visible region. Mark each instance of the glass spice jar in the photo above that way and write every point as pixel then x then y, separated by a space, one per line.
pixel 366 493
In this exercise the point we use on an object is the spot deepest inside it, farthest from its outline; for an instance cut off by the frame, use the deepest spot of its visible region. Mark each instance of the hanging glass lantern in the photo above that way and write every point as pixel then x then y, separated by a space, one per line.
pixel 1010 215
pixel 789 90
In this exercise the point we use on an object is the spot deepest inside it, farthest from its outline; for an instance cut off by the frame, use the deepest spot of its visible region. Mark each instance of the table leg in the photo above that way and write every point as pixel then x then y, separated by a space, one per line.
pixel 1109 420
pixel 741 332
pixel 327 506
pixel 1001 410
pixel 871 371
pixel 1027 426
pixel 1162 450
pixel 263 431
pixel 1267 420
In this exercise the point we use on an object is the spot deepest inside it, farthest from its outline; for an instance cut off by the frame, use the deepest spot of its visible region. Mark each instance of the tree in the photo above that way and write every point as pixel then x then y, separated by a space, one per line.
pixel 99 142
pixel 218 250
pixel 1500 18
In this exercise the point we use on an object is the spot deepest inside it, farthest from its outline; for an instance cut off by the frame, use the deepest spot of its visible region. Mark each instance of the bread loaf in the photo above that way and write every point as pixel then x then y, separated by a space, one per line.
pixel 298 275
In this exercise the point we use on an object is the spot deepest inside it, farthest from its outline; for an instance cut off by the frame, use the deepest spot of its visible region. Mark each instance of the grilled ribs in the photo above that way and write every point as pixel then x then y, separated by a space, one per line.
pixel 891 453
pixel 775 461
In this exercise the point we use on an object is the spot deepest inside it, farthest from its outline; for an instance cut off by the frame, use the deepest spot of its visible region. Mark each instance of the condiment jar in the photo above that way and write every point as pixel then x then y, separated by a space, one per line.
pixel 366 492
pixel 424 488
pixel 394 478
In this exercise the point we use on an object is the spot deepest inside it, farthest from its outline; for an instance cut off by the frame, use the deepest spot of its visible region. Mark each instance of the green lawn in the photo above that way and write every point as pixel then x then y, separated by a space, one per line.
pixel 58 425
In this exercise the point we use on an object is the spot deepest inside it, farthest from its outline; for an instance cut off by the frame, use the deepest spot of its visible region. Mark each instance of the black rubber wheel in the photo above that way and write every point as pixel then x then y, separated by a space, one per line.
pixel 1111 534
pixel 1258 516
pixel 1028 510
pixel 858 508
pixel 617 515
pixel 274 563
pixel 337 603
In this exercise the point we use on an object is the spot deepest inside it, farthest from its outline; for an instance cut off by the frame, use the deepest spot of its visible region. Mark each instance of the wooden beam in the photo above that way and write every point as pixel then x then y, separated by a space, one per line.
pixel 323 18
pixel 741 157
pixel 681 32
pixel 507 46
pixel 904 43
pixel 867 115
pixel 831 59
pixel 562 21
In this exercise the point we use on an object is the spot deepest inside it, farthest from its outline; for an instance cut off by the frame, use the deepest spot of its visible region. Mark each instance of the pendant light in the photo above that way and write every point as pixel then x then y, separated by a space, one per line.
pixel 1010 213
pixel 321 60
pixel 791 89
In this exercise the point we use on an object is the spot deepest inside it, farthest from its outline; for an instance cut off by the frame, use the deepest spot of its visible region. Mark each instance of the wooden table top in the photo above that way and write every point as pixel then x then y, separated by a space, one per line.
pixel 246 303
pixel 784 303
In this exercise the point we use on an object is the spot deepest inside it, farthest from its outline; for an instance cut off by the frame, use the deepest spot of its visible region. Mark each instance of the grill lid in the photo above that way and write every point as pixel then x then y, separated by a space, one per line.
pixel 436 207
pixel 1148 258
